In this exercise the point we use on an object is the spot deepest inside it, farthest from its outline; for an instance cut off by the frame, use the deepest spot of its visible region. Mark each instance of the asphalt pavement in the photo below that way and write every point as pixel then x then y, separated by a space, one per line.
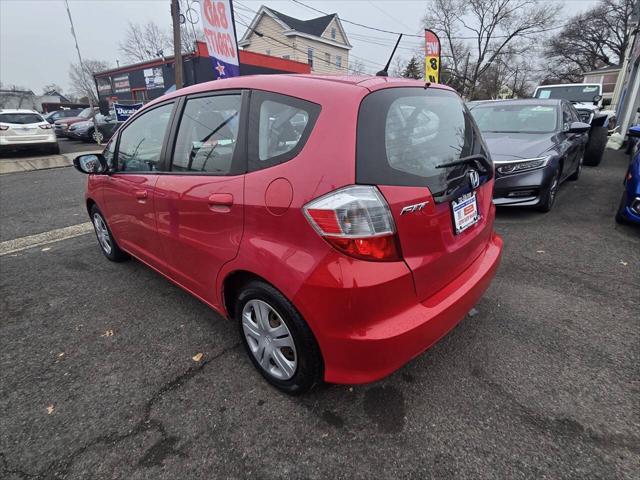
pixel 99 381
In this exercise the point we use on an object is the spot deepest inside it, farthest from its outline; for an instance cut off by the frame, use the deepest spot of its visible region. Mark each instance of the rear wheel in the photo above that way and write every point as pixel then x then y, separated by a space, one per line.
pixel 106 241
pixel 277 340
pixel 550 195
pixel 595 146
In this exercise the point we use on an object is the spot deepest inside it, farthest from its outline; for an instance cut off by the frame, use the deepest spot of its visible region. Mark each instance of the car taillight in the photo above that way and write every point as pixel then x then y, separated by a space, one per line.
pixel 45 126
pixel 357 221
pixel 4 127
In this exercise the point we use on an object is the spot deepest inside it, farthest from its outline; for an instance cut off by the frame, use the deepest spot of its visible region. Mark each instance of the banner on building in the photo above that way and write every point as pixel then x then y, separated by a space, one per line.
pixel 431 57
pixel 123 112
pixel 153 78
pixel 121 83
pixel 104 85
pixel 220 34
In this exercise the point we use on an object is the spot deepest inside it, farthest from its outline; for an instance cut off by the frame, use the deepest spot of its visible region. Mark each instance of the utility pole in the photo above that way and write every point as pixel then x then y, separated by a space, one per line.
pixel 84 72
pixel 177 42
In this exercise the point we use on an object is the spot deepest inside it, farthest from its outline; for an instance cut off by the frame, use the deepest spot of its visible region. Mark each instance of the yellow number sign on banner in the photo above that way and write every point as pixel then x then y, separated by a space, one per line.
pixel 431 57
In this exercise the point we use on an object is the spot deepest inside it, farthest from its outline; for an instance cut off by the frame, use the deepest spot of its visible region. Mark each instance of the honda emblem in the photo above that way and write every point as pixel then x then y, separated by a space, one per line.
pixel 474 178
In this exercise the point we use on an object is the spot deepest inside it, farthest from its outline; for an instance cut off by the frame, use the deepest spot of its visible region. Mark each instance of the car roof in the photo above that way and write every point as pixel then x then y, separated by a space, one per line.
pixel 524 101
pixel 17 110
pixel 569 85
pixel 301 85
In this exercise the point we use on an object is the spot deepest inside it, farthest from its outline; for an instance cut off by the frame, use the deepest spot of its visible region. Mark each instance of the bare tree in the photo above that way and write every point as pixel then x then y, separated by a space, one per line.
pixel 475 33
pixel 50 87
pixel 144 42
pixel 82 82
pixel 590 40
pixel 356 67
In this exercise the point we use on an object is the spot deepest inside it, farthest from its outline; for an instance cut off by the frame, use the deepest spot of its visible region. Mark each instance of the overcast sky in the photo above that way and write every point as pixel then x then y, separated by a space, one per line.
pixel 36 45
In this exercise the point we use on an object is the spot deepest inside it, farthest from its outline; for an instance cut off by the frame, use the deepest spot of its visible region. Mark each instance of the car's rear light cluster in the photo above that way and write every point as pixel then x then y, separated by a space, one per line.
pixel 45 126
pixel 357 221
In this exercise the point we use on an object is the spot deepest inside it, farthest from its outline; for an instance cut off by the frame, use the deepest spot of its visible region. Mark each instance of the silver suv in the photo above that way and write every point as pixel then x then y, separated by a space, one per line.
pixel 26 130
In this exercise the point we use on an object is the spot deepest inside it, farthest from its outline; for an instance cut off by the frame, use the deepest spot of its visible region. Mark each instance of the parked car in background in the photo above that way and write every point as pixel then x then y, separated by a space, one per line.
pixel 85 131
pixel 337 260
pixel 587 100
pixel 22 129
pixel 535 146
pixel 629 207
pixel 51 117
pixel 62 126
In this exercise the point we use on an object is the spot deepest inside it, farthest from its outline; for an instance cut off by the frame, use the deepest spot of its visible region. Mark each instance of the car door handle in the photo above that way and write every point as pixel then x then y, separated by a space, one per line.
pixel 221 199
pixel 141 194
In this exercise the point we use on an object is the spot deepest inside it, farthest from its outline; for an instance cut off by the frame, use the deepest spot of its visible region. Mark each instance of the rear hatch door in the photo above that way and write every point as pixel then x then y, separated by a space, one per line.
pixel 422 149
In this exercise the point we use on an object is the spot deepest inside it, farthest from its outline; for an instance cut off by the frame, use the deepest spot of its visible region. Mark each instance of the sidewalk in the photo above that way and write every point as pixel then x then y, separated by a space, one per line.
pixel 27 164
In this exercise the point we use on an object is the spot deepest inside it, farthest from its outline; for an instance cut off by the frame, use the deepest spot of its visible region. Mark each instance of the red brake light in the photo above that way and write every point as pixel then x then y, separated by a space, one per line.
pixel 357 221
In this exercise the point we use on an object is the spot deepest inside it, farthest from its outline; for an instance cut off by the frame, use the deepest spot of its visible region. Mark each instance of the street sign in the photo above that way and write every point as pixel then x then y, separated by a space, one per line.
pixel 431 57
pixel 220 35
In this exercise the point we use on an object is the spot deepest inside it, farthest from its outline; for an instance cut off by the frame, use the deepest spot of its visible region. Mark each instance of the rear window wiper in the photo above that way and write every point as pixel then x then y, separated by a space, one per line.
pixel 470 159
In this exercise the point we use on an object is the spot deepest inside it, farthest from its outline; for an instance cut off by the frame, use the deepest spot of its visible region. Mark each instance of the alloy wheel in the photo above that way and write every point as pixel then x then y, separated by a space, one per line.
pixel 102 232
pixel 554 186
pixel 269 339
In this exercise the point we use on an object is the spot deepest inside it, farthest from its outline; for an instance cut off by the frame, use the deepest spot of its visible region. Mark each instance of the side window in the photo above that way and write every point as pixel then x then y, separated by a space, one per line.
pixel 109 152
pixel 141 141
pixel 208 135
pixel 279 127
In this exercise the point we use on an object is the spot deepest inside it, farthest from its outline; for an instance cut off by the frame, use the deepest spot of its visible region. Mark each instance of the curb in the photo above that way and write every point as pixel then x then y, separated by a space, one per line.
pixel 40 163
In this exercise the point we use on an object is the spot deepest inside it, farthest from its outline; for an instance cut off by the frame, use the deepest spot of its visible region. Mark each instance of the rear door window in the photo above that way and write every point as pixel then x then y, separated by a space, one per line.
pixel 279 127
pixel 208 135
pixel 405 135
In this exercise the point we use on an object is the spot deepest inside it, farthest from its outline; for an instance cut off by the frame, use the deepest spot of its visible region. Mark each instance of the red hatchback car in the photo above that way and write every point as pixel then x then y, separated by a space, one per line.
pixel 346 224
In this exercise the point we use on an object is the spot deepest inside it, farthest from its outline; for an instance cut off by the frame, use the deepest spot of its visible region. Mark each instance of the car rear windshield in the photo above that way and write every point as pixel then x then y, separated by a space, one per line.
pixel 513 118
pixel 406 134
pixel 20 118
pixel 573 93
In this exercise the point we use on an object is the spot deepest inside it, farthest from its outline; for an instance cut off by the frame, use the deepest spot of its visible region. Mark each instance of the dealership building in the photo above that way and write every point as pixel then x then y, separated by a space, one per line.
pixel 145 81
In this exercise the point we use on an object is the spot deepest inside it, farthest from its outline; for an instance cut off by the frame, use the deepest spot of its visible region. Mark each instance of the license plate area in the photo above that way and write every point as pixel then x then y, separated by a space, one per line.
pixel 465 212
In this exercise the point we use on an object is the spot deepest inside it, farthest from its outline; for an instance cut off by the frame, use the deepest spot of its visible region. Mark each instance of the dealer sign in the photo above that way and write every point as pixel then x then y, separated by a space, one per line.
pixel 123 112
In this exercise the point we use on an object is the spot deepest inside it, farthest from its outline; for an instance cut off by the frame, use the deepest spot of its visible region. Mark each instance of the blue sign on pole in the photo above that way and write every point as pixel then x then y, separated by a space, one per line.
pixel 123 112
pixel 220 34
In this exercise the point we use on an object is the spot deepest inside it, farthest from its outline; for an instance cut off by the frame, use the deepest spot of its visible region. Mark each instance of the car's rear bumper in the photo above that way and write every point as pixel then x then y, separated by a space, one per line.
pixel 392 327
pixel 11 143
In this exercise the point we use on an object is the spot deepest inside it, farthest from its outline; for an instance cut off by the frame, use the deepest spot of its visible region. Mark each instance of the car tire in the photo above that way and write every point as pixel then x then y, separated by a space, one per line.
pixel 107 243
pixel 576 175
pixel 619 216
pixel 595 146
pixel 267 319
pixel 550 194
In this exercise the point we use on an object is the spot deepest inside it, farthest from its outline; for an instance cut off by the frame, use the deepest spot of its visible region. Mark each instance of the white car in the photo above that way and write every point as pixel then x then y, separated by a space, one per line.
pixel 22 129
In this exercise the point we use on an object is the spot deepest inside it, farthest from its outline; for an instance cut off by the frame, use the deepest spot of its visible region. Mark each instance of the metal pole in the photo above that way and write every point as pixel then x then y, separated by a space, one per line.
pixel 84 72
pixel 177 42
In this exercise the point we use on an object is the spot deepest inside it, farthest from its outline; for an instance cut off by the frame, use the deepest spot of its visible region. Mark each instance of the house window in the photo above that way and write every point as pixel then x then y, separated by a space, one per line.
pixel 286 57
pixel 333 33
pixel 338 61
pixel 310 57
pixel 268 51
pixel 327 58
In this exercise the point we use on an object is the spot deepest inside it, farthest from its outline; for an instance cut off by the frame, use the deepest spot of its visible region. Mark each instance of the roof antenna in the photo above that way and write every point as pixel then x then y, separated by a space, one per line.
pixel 385 71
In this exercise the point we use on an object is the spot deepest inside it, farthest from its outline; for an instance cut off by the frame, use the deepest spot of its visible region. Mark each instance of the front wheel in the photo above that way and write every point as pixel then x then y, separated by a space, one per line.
pixel 549 197
pixel 107 243
pixel 277 340
pixel 595 146
pixel 576 175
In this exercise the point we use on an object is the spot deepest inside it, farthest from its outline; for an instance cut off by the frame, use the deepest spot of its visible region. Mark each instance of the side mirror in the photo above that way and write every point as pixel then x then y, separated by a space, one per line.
pixel 578 127
pixel 91 164
pixel 597 99
pixel 634 132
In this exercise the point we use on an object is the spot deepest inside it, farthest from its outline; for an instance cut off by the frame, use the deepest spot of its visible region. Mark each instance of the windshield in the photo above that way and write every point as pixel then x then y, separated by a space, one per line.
pixel 573 93
pixel 86 113
pixel 510 118
pixel 405 135
pixel 21 118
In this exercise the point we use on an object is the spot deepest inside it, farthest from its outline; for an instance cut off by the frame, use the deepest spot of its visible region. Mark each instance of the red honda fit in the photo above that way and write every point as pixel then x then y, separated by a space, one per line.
pixel 346 224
